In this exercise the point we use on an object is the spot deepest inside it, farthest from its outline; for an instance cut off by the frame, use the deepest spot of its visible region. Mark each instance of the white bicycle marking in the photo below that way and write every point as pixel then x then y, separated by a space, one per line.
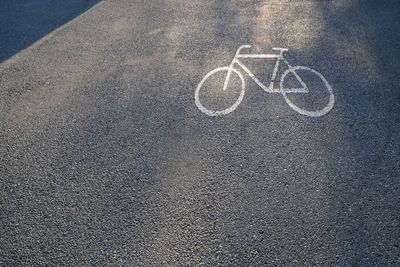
pixel 270 89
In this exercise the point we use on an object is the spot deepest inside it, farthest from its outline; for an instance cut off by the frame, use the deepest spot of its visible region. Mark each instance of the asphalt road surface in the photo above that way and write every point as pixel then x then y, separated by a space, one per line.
pixel 105 159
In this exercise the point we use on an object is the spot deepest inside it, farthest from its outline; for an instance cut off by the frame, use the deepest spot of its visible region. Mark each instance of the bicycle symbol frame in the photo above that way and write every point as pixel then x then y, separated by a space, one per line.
pixel 269 89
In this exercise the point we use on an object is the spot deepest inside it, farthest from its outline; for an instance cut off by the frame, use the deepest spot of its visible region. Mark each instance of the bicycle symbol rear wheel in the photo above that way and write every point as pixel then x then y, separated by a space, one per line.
pixel 313 113
pixel 222 112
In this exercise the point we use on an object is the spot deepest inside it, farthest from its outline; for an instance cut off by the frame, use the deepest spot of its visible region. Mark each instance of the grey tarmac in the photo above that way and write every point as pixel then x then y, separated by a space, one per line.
pixel 105 160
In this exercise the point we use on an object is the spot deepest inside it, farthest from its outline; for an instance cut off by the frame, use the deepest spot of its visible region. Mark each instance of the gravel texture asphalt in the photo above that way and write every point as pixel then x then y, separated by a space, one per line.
pixel 105 160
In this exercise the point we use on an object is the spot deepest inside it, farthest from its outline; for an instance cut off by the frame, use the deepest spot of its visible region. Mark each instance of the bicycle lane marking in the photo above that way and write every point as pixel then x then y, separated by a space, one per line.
pixel 282 90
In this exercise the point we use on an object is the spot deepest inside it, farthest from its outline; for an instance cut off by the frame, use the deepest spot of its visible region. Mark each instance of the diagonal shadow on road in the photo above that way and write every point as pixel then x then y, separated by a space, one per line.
pixel 22 23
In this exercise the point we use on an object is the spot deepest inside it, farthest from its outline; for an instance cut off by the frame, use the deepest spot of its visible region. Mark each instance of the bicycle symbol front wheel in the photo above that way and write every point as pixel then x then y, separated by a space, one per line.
pixel 228 110
pixel 296 107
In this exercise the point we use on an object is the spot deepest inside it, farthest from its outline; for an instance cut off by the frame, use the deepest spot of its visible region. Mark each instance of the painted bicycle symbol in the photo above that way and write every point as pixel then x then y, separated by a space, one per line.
pixel 295 70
